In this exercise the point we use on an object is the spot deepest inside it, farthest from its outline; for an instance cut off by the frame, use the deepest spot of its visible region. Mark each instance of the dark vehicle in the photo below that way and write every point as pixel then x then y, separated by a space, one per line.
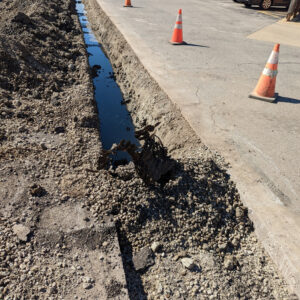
pixel 266 4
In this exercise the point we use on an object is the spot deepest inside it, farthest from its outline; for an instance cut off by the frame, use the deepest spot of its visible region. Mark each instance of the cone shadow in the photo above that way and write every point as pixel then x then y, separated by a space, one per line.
pixel 287 100
pixel 132 6
pixel 196 45
pixel 188 44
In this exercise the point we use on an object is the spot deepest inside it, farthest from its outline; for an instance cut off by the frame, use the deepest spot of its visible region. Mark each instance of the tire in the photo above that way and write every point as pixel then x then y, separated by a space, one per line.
pixel 265 4
pixel 247 5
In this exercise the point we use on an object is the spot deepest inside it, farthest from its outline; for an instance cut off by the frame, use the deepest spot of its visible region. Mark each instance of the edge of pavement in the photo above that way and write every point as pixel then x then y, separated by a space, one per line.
pixel 277 227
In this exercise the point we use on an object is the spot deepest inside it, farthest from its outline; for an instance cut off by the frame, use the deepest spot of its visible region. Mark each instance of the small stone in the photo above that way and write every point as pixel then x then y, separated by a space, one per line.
pixel 177 294
pixel 34 269
pixel 229 262
pixel 156 246
pixel 71 67
pixel 223 246
pixel 188 263
pixel 87 285
pixel 205 246
pixel 65 198
pixel 143 259
pixel 239 213
pixel 159 288
pixel 235 242
pixel 180 255
pixel 21 232
pixel 104 244
pixel 22 18
pixel 44 146
pixel 59 129
pixel 88 280
pixel 37 191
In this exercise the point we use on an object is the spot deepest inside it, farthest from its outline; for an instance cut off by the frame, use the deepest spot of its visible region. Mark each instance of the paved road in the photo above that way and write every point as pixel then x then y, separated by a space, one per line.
pixel 210 80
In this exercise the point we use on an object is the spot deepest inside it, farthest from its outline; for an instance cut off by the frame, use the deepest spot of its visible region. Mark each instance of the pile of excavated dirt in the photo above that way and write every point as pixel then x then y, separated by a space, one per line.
pixel 197 214
pixel 187 237
pixel 48 138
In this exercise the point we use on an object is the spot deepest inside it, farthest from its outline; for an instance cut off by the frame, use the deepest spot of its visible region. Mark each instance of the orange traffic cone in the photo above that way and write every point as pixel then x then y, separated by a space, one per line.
pixel 177 38
pixel 127 3
pixel 265 88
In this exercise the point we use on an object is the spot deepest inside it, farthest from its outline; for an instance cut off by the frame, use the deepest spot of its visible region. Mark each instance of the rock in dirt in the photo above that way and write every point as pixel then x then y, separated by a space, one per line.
pixel 87 285
pixel 239 213
pixel 229 262
pixel 188 263
pixel 143 259
pixel 21 232
pixel 22 18
pixel 156 246
pixel 180 255
pixel 37 191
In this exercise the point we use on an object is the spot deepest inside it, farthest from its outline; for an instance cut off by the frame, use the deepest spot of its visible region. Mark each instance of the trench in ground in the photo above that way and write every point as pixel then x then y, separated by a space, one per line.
pixel 115 120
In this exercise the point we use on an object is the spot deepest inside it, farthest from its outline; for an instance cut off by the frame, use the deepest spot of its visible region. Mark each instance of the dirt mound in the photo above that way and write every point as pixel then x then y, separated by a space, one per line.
pixel 45 93
pixel 36 48
pixel 199 207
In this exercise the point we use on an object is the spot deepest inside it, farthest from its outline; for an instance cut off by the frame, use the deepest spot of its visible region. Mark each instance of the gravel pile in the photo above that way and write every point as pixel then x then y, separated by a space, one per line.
pixel 201 239
pixel 198 207
pixel 48 137
pixel 29 271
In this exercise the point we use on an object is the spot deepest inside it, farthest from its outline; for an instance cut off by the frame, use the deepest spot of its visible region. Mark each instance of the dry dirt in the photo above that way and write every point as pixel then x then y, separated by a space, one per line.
pixel 55 242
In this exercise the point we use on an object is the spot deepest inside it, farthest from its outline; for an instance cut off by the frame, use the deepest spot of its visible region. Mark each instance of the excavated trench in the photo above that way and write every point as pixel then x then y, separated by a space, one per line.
pixel 115 121
pixel 120 141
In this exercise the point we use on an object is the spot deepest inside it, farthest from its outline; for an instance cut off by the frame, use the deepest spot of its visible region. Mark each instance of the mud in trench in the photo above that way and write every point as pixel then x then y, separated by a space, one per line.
pixel 186 237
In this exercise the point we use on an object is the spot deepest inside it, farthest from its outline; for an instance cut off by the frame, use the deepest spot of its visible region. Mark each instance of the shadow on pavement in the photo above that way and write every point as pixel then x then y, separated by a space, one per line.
pixel 195 45
pixel 287 100
pixel 133 6
pixel 189 44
